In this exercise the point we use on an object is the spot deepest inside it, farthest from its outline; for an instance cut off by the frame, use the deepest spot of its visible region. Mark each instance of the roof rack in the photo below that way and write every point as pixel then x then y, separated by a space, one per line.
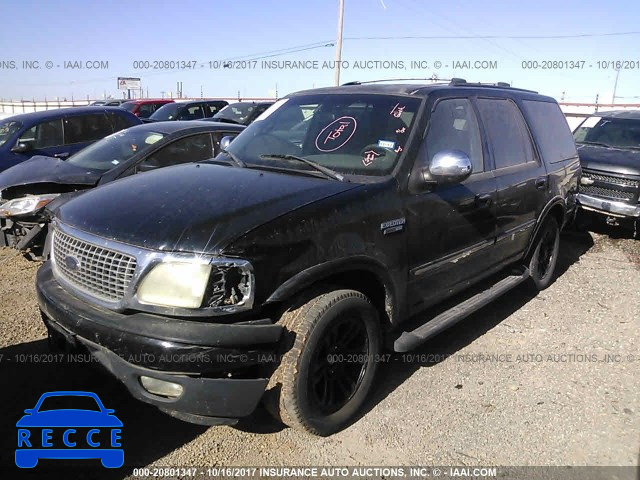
pixel 463 82
pixel 430 79
pixel 451 81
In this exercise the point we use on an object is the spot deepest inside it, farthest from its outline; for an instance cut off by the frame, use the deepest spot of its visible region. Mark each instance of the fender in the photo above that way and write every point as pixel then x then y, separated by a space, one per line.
pixel 323 271
pixel 557 200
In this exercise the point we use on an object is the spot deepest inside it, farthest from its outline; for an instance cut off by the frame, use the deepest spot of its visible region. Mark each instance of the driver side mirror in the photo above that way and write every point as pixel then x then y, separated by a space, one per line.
pixel 22 147
pixel 225 141
pixel 450 166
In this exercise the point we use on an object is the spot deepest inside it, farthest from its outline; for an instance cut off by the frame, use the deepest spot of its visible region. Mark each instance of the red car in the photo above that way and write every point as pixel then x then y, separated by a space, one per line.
pixel 145 107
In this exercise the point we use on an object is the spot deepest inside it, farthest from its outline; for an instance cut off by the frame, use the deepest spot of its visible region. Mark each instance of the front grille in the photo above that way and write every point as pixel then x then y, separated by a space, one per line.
pixel 626 182
pixel 98 271
pixel 606 192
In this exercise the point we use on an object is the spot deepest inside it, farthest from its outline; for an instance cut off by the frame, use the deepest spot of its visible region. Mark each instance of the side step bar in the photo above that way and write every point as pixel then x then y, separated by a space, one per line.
pixel 410 340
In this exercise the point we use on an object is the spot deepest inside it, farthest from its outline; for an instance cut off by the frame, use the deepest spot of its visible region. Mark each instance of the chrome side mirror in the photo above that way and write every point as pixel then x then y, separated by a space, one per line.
pixel 450 166
pixel 226 140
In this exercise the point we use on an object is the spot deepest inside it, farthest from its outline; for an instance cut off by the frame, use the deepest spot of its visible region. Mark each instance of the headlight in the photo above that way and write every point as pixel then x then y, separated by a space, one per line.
pixel 24 205
pixel 219 285
pixel 175 285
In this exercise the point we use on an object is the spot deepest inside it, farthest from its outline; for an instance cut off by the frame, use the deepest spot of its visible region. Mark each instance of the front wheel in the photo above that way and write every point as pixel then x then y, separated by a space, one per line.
pixel 545 254
pixel 327 372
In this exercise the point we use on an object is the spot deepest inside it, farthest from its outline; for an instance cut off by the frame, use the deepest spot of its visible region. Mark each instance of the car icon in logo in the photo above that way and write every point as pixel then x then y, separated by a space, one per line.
pixel 72 263
pixel 69 425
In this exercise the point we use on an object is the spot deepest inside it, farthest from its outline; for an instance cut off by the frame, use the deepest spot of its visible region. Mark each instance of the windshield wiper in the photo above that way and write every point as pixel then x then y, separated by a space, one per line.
pixel 235 159
pixel 600 144
pixel 321 168
pixel 226 120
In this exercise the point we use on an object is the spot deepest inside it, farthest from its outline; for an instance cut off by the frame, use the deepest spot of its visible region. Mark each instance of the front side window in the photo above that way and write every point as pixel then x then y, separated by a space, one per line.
pixel 609 132
pixel 43 135
pixel 507 131
pixel 191 112
pixel 453 126
pixel 8 130
pixel 86 128
pixel 115 149
pixel 354 134
pixel 189 149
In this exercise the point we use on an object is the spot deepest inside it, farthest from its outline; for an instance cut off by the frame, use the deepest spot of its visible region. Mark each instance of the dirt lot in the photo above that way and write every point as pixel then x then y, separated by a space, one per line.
pixel 559 383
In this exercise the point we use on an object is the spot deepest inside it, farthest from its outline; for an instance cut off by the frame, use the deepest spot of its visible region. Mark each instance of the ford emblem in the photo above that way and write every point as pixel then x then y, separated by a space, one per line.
pixel 72 263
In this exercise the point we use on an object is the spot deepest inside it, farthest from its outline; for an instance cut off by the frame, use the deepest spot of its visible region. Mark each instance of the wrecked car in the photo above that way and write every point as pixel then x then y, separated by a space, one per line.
pixel 32 191
pixel 280 270
pixel 609 150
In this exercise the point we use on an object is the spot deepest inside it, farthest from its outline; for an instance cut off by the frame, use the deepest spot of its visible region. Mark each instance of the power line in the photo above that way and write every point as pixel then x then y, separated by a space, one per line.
pixel 494 37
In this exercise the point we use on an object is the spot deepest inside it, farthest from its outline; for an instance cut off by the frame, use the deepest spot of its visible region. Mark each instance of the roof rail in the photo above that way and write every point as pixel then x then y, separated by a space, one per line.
pixel 463 82
pixel 430 79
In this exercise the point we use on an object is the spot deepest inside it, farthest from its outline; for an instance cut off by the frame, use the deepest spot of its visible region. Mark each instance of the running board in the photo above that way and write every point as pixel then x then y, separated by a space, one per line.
pixel 410 340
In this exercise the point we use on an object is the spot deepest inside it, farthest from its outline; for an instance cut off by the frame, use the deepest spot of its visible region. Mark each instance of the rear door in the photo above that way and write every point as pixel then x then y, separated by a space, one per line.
pixel 451 227
pixel 522 180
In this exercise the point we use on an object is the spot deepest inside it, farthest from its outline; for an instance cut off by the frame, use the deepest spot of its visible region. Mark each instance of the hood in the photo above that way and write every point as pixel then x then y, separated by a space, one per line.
pixel 41 169
pixel 192 208
pixel 613 160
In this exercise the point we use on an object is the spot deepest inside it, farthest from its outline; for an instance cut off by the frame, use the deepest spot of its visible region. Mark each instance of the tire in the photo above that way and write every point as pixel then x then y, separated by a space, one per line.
pixel 544 258
pixel 328 363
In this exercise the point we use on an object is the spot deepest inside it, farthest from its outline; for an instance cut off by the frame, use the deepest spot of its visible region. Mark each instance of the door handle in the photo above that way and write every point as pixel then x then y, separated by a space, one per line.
pixel 541 183
pixel 483 200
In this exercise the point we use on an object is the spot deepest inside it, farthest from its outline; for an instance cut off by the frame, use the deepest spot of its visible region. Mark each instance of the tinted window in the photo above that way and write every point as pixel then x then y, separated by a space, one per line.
pixel 191 112
pixel 129 106
pixel 508 134
pixel 120 122
pixel 551 130
pixel 189 149
pixel 43 135
pixel 453 126
pixel 8 130
pixel 210 109
pixel 86 128
pixel 166 112
pixel 613 132
pixel 218 136
pixel 146 110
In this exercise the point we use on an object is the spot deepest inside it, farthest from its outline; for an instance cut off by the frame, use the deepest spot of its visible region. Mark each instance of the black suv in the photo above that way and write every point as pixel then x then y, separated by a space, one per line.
pixel 285 264
pixel 609 149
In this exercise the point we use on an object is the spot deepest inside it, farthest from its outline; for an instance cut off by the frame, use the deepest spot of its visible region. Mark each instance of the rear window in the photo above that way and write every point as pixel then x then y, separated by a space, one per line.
pixel 551 130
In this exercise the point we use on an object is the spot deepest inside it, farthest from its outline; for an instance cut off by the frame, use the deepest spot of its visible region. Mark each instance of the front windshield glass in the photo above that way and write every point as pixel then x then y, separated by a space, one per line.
pixel 236 112
pixel 610 132
pixel 166 112
pixel 353 134
pixel 129 106
pixel 8 130
pixel 111 151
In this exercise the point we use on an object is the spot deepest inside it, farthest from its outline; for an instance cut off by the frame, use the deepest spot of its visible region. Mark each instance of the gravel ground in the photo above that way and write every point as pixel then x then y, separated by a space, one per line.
pixel 551 379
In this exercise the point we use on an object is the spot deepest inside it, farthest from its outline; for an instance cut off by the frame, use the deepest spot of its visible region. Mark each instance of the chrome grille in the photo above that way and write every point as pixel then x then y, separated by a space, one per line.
pixel 98 271
pixel 606 192
pixel 626 182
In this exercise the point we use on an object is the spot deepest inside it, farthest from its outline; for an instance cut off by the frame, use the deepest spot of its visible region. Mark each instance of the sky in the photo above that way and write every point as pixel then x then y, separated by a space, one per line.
pixel 195 38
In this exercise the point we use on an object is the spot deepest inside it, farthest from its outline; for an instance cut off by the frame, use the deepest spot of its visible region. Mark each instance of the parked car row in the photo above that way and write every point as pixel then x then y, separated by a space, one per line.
pixel 282 268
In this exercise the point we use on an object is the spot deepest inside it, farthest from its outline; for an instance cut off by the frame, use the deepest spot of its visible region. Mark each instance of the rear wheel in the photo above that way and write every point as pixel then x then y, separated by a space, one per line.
pixel 545 254
pixel 328 366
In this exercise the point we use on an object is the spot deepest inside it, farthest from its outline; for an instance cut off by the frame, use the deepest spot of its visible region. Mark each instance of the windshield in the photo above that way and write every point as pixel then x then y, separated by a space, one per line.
pixel 129 106
pixel 354 134
pixel 610 132
pixel 111 151
pixel 237 112
pixel 69 402
pixel 8 130
pixel 166 112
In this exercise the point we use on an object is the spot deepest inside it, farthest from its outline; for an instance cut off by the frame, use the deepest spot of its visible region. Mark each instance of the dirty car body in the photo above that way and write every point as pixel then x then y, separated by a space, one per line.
pixel 211 256
pixel 31 192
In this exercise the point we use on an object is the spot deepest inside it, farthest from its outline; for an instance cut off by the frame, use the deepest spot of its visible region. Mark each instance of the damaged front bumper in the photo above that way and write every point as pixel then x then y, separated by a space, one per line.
pixel 24 235
pixel 222 369
pixel 608 207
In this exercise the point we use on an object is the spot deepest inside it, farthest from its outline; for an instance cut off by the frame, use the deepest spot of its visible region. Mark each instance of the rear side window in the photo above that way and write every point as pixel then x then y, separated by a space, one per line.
pixel 191 112
pixel 86 128
pixel 551 130
pixel 453 126
pixel 120 122
pixel 210 109
pixel 146 110
pixel 43 135
pixel 507 131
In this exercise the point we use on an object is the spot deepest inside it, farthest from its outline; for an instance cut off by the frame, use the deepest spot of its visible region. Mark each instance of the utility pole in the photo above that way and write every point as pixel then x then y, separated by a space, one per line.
pixel 615 86
pixel 339 43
